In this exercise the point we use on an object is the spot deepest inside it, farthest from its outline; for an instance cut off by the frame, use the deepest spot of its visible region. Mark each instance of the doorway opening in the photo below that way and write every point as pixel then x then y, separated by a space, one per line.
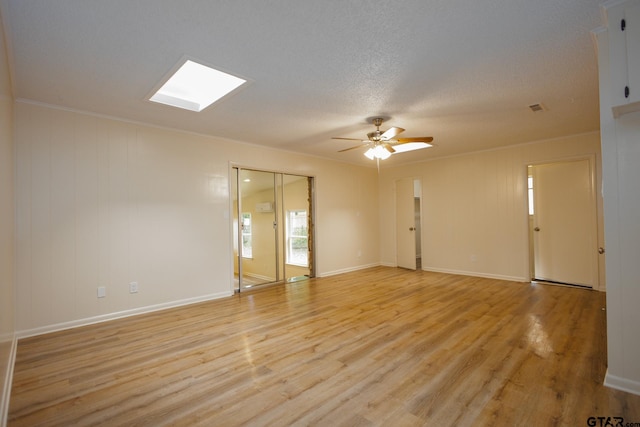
pixel 563 223
pixel 408 223
pixel 417 214
pixel 273 223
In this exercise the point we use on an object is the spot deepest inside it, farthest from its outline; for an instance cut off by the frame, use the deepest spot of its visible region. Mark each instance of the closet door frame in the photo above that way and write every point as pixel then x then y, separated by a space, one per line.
pixel 235 208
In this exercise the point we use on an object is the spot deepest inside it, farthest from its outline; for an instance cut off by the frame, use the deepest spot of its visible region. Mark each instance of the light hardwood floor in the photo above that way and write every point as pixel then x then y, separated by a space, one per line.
pixel 382 346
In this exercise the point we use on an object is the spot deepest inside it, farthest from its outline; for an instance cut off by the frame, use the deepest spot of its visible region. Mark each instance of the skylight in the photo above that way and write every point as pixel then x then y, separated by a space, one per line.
pixel 195 86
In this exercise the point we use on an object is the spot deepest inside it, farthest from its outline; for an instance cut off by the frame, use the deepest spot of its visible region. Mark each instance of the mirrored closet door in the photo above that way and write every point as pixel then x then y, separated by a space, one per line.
pixel 273 227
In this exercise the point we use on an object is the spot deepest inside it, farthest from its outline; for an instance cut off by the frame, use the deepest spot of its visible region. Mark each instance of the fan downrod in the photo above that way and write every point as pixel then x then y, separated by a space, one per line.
pixel 375 135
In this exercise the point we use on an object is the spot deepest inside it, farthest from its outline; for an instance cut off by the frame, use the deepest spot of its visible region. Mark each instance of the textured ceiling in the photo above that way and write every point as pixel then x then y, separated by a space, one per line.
pixel 462 71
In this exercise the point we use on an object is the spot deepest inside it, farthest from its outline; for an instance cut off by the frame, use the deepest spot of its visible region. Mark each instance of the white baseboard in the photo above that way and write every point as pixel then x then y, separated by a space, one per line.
pixel 426 268
pixel 623 384
pixel 347 270
pixel 8 381
pixel 476 274
pixel 117 315
pixel 260 277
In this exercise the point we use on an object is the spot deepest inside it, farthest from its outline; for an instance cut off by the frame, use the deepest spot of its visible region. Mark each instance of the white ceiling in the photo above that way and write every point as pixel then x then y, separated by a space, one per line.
pixel 462 71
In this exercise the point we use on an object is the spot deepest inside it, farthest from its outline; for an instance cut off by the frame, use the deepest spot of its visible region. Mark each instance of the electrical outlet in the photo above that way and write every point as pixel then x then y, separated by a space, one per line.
pixel 133 287
pixel 102 292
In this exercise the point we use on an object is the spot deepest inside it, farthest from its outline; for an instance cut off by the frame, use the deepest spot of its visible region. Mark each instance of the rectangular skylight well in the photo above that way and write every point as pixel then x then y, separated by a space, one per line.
pixel 195 86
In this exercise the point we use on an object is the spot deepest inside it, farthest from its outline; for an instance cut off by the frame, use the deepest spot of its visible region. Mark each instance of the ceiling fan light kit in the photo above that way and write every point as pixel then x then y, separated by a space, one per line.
pixel 377 152
pixel 381 145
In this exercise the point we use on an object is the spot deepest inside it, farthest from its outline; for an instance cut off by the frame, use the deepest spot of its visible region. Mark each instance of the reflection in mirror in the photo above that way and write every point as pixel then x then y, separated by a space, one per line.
pixel 272 226
pixel 257 227
pixel 297 220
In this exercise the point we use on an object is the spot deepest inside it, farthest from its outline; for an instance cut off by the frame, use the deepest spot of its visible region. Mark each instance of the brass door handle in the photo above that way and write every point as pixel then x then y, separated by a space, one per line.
pixel 411 228
pixel 600 250
pixel 536 229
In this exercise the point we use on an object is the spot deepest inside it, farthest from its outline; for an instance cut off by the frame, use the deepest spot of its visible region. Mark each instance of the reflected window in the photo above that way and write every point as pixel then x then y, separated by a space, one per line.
pixel 297 238
pixel 530 193
pixel 247 251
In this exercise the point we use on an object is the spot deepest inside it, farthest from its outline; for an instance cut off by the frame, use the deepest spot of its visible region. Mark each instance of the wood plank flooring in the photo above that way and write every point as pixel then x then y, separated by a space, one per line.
pixel 382 346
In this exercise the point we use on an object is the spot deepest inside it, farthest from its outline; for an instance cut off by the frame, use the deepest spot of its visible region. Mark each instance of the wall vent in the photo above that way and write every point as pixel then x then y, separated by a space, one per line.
pixel 264 207
pixel 537 107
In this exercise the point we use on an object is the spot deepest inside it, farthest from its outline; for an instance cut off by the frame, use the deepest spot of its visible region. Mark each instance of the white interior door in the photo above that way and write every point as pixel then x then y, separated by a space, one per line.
pixel 564 221
pixel 405 224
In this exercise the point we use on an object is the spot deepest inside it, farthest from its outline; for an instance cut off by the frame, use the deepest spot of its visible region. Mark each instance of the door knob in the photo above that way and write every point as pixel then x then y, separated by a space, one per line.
pixel 411 228
pixel 536 229
pixel 600 250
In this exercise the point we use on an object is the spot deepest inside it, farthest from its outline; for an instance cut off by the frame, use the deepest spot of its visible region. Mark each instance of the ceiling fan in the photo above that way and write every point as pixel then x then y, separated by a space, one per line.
pixel 384 144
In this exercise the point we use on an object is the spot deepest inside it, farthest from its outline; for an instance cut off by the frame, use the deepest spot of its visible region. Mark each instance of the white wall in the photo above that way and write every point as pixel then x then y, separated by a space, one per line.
pixel 101 202
pixel 621 178
pixel 623 245
pixel 7 325
pixel 474 218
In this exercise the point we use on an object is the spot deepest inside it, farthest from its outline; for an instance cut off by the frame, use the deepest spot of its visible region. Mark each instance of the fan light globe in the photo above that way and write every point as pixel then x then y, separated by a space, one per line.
pixel 377 152
pixel 369 154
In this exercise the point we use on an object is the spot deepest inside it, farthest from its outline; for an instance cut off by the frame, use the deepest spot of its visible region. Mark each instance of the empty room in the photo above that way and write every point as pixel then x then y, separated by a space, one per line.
pixel 308 213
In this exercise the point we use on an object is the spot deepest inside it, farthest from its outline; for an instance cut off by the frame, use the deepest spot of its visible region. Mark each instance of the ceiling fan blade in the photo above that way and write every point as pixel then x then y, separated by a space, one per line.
pixel 348 139
pixel 353 148
pixel 389 148
pixel 391 132
pixel 415 139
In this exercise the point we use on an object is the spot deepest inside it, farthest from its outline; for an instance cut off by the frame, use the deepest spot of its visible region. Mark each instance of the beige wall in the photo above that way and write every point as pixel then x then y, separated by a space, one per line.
pixel 7 326
pixel 474 218
pixel 102 202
